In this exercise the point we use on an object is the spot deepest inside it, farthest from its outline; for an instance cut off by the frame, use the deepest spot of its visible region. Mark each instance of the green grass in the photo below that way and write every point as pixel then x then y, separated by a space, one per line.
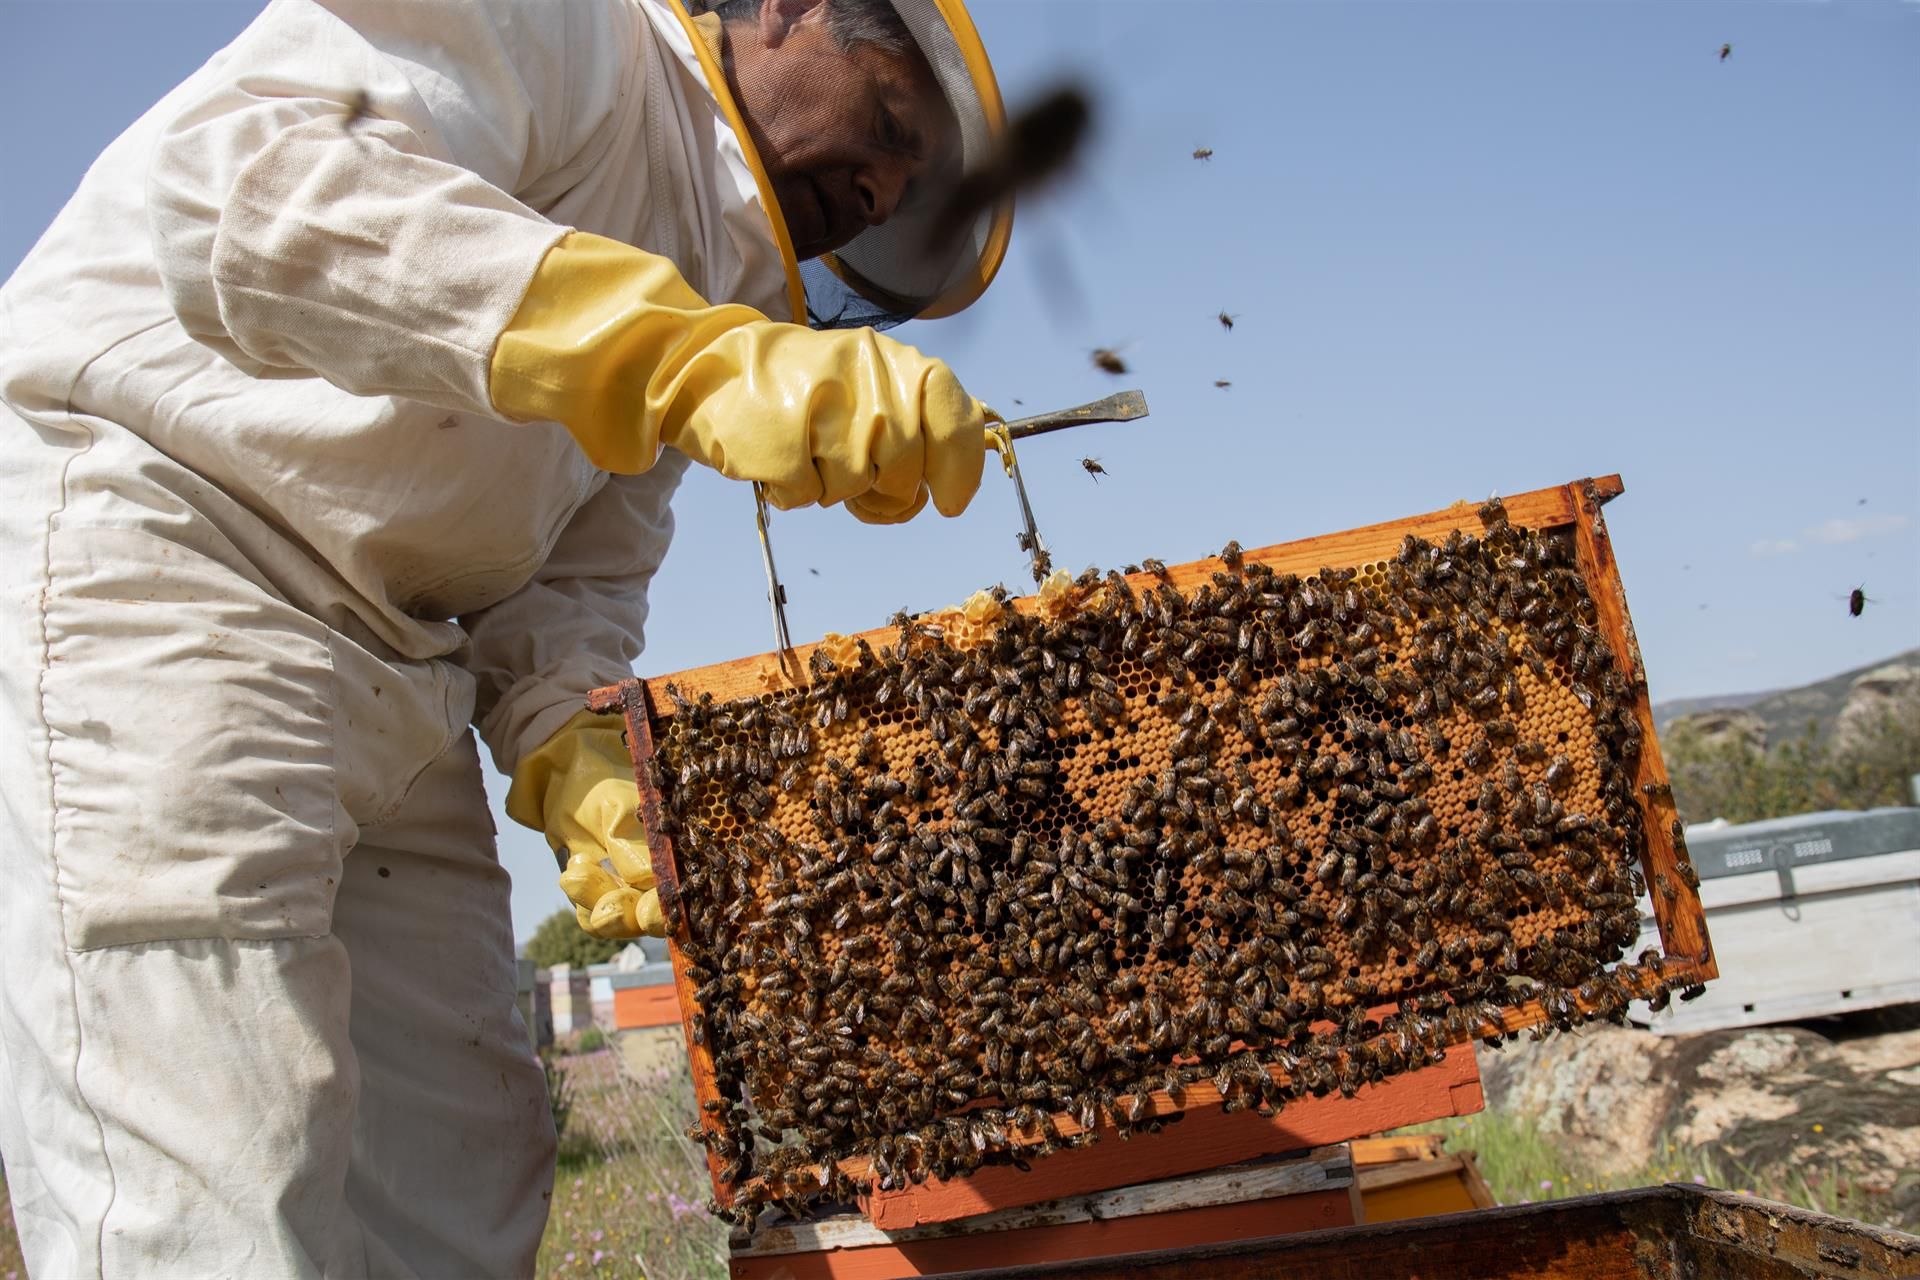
pixel 1523 1165
pixel 629 1188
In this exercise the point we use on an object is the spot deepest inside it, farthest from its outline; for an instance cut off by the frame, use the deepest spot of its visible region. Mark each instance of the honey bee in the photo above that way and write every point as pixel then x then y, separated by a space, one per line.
pixel 1092 465
pixel 1203 153
pixel 359 107
pixel 1107 360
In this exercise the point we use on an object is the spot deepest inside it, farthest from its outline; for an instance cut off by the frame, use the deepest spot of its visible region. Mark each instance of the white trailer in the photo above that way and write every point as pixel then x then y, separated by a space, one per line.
pixel 1811 915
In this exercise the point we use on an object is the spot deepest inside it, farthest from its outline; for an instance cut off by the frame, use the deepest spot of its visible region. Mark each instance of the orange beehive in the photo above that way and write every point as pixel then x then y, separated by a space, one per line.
pixel 1236 830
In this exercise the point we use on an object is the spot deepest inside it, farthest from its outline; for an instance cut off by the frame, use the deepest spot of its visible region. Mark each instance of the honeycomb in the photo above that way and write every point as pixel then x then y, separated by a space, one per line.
pixel 1274 835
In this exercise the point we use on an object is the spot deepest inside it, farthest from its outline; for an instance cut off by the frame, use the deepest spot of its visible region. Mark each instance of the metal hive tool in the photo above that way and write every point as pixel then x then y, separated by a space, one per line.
pixel 1220 833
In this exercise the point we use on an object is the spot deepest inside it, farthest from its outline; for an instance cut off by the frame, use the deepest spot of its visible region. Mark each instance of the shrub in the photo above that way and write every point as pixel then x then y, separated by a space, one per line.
pixel 561 940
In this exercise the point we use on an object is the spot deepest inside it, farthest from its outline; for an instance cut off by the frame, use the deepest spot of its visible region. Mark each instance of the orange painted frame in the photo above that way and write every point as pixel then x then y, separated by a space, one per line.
pixel 1575 506
pixel 645 1007
pixel 1036 1245
pixel 1202 1139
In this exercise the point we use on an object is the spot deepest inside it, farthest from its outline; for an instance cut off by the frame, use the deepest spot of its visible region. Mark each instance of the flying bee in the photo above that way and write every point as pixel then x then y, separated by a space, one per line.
pixel 360 106
pixel 1222 383
pixel 1038 143
pixel 1107 360
pixel 1857 602
pixel 1204 153
pixel 1092 467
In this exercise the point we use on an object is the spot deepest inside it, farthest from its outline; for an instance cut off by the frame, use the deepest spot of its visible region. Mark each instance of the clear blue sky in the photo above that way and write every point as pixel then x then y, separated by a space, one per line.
pixel 1473 247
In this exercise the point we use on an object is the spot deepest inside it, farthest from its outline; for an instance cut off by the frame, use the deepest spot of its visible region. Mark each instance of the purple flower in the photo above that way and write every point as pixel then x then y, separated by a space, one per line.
pixel 1546 1184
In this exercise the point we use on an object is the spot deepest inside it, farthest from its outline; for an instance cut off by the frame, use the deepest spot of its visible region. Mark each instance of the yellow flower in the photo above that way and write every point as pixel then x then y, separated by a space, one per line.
pixel 1819 1128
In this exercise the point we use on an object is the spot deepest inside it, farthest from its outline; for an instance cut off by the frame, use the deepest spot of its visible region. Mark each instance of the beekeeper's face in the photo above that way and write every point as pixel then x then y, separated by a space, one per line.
pixel 843 133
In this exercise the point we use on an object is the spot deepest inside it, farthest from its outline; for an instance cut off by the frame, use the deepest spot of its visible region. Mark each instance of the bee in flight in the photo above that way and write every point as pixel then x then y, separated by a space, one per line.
pixel 1107 360
pixel 1093 468
pixel 1222 383
pixel 1203 153
pixel 1226 321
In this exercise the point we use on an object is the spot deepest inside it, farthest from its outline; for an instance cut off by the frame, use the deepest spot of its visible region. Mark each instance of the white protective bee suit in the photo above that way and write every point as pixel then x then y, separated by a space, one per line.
pixel 267 554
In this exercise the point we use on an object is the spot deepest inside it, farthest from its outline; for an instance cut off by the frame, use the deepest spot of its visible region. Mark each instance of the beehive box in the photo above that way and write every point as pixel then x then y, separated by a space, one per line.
pixel 976 886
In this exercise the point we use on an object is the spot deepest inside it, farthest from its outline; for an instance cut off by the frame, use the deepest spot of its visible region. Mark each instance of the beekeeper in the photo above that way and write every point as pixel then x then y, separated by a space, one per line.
pixel 343 405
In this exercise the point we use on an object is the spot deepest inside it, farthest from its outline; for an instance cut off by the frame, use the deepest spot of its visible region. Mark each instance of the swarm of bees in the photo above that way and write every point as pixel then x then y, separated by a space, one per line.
pixel 1282 835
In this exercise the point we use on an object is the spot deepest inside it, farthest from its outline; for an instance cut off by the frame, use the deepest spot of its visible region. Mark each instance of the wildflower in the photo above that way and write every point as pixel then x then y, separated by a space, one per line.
pixel 1699 1180
pixel 1546 1184
pixel 1819 1128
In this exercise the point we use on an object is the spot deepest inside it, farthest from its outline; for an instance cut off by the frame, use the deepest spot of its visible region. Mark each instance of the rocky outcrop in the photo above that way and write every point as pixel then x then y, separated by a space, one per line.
pixel 1892 690
pixel 1768 1100
pixel 1726 726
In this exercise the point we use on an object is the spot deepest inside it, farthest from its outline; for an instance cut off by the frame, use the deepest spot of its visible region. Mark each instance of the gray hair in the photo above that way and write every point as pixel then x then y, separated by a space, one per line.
pixel 850 22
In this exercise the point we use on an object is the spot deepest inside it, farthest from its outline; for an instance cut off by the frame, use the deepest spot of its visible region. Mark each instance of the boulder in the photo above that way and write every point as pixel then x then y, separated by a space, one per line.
pixel 1749 1099
pixel 1885 691
pixel 1727 726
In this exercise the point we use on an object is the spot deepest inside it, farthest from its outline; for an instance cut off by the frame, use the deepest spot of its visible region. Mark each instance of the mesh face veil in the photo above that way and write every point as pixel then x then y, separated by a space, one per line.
pixel 898 270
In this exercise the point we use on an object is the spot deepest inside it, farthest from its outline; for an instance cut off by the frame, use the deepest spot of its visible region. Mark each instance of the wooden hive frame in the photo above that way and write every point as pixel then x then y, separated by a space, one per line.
pixel 1574 507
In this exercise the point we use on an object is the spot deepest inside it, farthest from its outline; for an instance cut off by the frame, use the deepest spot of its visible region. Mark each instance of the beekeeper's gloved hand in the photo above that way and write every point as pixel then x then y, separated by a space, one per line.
pixel 578 788
pixel 611 342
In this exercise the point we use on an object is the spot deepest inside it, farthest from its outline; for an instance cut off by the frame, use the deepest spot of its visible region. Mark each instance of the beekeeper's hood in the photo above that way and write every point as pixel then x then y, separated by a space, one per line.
pixel 898 270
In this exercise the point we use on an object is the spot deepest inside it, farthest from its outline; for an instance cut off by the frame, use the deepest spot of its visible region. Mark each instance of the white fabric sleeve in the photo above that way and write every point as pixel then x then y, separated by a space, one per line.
pixel 339 190
pixel 577 625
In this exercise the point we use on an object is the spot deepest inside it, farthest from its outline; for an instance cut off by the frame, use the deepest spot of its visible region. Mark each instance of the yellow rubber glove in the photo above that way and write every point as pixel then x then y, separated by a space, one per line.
pixel 612 343
pixel 578 788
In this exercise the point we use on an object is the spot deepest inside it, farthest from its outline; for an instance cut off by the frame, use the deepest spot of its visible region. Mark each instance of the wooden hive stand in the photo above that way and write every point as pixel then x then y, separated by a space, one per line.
pixel 1210 1179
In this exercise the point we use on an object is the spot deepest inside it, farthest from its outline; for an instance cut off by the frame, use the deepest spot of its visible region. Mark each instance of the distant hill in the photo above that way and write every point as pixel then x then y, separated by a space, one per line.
pixel 1785 711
